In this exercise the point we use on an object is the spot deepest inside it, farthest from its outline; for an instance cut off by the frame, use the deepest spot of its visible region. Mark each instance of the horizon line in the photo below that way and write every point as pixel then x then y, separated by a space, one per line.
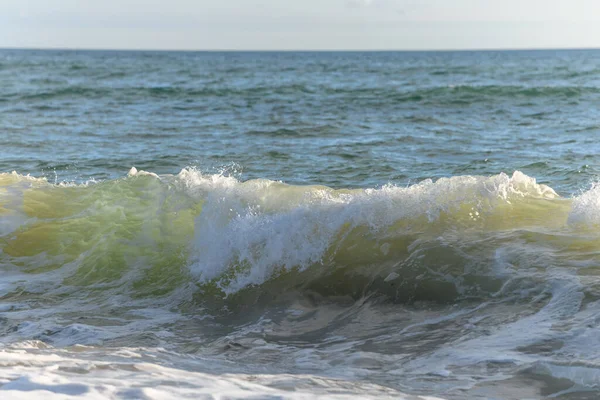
pixel 340 50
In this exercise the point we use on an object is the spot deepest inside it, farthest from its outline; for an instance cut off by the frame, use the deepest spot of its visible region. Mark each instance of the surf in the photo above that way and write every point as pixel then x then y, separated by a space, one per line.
pixel 150 235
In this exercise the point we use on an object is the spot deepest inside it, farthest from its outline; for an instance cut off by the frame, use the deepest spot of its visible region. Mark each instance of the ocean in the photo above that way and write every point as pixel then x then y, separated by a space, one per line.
pixel 300 225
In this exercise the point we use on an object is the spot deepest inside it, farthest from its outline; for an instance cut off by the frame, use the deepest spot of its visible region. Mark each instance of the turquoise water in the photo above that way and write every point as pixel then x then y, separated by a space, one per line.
pixel 299 225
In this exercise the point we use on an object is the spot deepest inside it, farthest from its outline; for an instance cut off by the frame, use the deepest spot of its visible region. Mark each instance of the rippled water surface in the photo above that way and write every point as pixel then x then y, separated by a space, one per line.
pixel 339 119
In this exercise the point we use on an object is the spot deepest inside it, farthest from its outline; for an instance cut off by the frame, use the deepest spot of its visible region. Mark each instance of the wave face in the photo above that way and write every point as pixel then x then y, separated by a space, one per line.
pixel 157 233
pixel 504 267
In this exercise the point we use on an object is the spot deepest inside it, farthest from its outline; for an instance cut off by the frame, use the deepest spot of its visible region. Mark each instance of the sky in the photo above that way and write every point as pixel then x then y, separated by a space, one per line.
pixel 300 24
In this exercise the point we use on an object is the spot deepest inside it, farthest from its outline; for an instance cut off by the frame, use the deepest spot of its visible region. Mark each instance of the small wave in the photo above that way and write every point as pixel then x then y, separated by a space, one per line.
pixel 451 95
pixel 175 92
pixel 465 94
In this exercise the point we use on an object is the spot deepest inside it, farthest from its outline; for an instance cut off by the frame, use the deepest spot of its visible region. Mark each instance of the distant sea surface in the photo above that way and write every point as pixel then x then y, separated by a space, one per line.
pixel 299 225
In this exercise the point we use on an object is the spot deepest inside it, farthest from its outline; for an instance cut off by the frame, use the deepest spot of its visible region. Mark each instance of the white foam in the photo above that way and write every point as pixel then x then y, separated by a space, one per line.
pixel 62 374
pixel 586 207
pixel 135 172
pixel 262 226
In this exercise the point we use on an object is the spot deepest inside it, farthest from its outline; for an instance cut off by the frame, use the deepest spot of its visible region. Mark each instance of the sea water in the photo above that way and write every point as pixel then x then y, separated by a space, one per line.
pixel 299 225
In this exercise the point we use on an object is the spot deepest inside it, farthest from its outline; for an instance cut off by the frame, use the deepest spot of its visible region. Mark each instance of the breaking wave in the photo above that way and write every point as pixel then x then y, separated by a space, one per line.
pixel 224 240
